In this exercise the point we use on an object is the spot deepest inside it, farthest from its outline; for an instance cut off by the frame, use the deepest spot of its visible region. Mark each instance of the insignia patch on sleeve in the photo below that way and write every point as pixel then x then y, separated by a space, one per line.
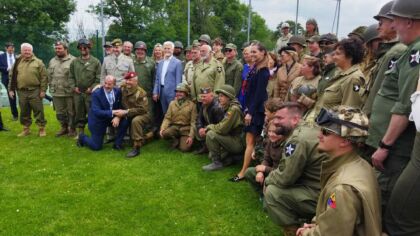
pixel 414 58
pixel 391 63
pixel 331 201
pixel 289 149
pixel 219 69
pixel 356 87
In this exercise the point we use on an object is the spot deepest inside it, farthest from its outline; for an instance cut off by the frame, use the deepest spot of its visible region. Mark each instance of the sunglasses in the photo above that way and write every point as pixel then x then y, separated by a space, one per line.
pixel 228 50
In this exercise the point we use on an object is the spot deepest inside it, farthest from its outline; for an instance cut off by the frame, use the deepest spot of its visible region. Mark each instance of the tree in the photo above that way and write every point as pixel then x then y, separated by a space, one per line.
pixel 37 22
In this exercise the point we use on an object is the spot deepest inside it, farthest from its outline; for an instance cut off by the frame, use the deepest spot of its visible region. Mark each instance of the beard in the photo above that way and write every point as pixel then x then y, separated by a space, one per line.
pixel 283 130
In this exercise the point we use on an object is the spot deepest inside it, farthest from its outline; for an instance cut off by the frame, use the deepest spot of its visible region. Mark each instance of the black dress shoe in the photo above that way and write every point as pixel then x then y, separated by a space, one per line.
pixel 117 147
pixel 133 153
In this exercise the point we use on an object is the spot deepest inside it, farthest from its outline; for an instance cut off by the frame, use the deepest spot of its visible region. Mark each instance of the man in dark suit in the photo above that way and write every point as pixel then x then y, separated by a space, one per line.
pixel 7 60
pixel 106 102
pixel 168 76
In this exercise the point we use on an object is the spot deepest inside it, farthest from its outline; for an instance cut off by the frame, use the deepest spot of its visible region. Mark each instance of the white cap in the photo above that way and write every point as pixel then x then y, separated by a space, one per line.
pixel 285 25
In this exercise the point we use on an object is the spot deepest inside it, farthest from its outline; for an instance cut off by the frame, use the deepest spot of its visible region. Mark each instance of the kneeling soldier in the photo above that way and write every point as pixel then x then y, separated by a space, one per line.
pixel 179 121
pixel 225 137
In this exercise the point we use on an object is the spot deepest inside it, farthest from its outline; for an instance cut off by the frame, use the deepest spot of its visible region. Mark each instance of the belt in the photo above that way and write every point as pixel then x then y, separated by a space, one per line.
pixel 162 86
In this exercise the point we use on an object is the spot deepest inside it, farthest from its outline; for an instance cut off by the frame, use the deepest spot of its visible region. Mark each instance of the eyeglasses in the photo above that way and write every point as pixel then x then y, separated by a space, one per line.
pixel 326 132
pixel 228 50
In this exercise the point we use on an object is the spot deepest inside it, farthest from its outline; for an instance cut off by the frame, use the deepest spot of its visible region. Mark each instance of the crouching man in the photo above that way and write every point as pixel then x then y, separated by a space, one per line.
pixel 225 137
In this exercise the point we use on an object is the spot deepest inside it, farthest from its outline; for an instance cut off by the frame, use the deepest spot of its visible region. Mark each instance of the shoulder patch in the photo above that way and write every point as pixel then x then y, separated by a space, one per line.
pixel 414 58
pixel 228 114
pixel 356 87
pixel 331 201
pixel 392 63
pixel 219 69
pixel 289 149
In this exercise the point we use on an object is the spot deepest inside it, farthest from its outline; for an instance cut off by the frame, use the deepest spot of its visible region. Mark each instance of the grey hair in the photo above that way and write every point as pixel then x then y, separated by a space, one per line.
pixel 169 43
pixel 26 45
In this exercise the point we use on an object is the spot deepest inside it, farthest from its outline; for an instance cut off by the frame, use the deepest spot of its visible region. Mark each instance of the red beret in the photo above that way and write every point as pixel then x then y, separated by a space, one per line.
pixel 130 75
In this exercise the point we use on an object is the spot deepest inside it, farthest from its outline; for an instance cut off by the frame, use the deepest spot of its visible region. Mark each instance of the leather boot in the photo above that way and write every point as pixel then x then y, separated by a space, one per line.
pixel 290 230
pixel 135 151
pixel 202 150
pixel 42 132
pixel 25 132
pixel 72 133
pixel 64 130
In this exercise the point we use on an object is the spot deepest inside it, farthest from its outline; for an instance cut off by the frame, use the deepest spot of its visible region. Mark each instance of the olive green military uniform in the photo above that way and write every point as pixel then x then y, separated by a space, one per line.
pixel 116 66
pixel 31 80
pixel 179 122
pixel 349 194
pixel 135 101
pixel 233 74
pixel 226 136
pixel 394 98
pixel 84 74
pixel 187 77
pixel 328 73
pixel 282 42
pixel 209 74
pixel 146 74
pixel 60 89
pixel 390 51
pixel 293 188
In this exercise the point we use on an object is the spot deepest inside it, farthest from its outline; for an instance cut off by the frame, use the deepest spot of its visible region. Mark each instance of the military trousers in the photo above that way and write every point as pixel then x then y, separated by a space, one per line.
pixel 64 109
pixel 220 146
pixel 137 124
pixel 30 101
pixel 81 108
pixel 250 175
pixel 178 132
pixel 402 215
pixel 290 206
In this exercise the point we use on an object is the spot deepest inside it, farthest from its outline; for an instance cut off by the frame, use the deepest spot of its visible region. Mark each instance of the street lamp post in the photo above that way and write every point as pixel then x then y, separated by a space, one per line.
pixel 249 18
pixel 297 14
pixel 189 23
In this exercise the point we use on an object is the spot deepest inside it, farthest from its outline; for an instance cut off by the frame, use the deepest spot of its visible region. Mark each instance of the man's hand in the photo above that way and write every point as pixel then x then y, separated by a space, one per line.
pixel 189 141
pixel 260 178
pixel 42 94
pixel 119 113
pixel 77 90
pixel 155 97
pixel 115 121
pixel 161 133
pixel 88 90
pixel 202 132
pixel 11 94
pixel 248 119
pixel 260 168
pixel 379 157
pixel 300 231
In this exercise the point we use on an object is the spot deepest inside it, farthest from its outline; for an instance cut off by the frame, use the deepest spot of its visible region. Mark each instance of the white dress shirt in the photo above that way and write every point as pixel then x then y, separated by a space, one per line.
pixel 164 70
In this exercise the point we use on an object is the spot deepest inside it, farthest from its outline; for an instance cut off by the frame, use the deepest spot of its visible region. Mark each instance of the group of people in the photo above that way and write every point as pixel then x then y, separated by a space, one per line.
pixel 325 129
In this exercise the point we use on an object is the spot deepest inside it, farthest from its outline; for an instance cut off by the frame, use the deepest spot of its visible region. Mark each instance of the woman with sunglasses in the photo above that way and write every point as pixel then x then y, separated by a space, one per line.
pixel 289 70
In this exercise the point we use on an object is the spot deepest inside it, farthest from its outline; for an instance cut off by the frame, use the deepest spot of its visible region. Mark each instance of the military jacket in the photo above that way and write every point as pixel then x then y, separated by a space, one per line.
pixel 349 203
pixel 282 42
pixel 58 76
pixel 31 74
pixel 184 114
pixel 188 74
pixel 232 122
pixel 284 78
pixel 146 71
pixel 213 113
pixel 272 155
pixel 209 74
pixel 299 82
pixel 233 74
pixel 134 100
pixel 85 74
pixel 394 98
pixel 329 72
pixel 300 163
pixel 116 66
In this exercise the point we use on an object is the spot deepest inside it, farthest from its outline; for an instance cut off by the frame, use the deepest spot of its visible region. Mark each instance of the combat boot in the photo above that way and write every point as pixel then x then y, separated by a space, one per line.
pixel 42 132
pixel 290 230
pixel 72 133
pixel 175 143
pixel 25 132
pixel 215 165
pixel 79 132
pixel 63 131
pixel 202 150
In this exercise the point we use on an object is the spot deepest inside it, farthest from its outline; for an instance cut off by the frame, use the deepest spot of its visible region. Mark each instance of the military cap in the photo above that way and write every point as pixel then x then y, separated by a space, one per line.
pixel 178 44
pixel 107 44
pixel 406 8
pixel 83 42
pixel 9 44
pixel 230 46
pixel 284 25
pixel 188 48
pixel 140 45
pixel 130 74
pixel 183 87
pixel 313 39
pixel 328 38
pixel 116 42
pixel 205 90
pixel 297 39
pixel 383 13
pixel 347 122
pixel 358 32
pixel 371 33
pixel 195 43
pixel 63 43
pixel 227 90
pixel 288 49
pixel 206 38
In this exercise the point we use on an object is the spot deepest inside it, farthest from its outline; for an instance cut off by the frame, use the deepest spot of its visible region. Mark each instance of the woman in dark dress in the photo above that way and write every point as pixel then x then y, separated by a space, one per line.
pixel 255 96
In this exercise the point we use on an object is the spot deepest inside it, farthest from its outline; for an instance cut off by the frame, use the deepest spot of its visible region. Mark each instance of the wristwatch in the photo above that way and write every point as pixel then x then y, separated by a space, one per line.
pixel 384 146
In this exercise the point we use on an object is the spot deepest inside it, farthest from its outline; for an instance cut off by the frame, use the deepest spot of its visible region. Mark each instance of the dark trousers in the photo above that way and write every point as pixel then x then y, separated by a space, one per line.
pixel 95 141
pixel 12 101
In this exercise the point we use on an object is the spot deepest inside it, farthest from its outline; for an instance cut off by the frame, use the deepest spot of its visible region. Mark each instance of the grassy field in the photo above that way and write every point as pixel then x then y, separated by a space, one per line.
pixel 48 186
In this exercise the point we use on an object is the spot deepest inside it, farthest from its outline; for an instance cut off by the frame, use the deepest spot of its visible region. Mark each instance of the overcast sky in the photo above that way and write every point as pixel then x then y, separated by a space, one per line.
pixel 353 13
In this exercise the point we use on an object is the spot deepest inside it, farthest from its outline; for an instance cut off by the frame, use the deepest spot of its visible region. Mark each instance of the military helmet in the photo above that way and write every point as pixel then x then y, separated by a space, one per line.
pixel 183 87
pixel 206 38
pixel 178 44
pixel 371 33
pixel 406 8
pixel 329 37
pixel 83 42
pixel 358 33
pixel 383 13
pixel 347 122
pixel 227 90
pixel 140 45
pixel 298 39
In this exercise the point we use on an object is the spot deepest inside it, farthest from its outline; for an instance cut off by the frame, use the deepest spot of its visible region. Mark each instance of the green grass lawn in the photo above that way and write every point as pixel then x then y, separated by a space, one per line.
pixel 49 186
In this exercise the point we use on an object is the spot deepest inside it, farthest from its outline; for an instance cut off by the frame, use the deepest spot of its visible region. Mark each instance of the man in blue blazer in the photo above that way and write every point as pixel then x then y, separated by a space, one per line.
pixel 106 101
pixel 168 76
pixel 7 60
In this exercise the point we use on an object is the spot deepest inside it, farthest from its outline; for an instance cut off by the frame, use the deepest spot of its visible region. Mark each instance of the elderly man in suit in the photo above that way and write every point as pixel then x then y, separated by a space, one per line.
pixel 168 76
pixel 106 102
pixel 7 60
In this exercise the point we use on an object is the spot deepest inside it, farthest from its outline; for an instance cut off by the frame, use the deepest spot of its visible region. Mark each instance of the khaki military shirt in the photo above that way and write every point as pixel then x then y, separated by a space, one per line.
pixel 184 114
pixel 85 74
pixel 232 122
pixel 58 76
pixel 134 100
pixel 189 68
pixel 233 74
pixel 282 42
pixel 116 66
pixel 209 74
pixel 31 74
pixel 146 71
pixel 349 203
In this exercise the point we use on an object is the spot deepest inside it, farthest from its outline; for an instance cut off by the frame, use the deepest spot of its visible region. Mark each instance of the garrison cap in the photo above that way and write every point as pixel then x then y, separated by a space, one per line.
pixel 116 42
pixel 107 44
pixel 385 9
pixel 140 45
pixel 297 39
pixel 130 74
pixel 227 90
pixel 230 46
pixel 406 8
pixel 347 122
pixel 178 44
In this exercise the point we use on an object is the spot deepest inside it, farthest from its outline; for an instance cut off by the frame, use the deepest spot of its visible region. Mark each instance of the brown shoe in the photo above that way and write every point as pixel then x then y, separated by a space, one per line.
pixel 42 132
pixel 25 132
pixel 72 133
pixel 63 131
